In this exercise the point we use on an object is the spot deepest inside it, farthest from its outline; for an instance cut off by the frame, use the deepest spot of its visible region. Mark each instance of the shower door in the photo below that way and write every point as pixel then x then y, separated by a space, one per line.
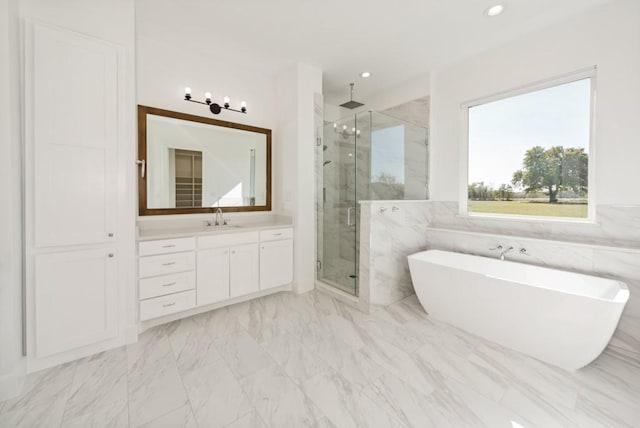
pixel 338 210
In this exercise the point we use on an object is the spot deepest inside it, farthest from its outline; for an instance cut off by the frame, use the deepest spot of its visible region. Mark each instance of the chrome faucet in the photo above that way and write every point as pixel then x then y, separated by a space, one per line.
pixel 220 221
pixel 503 251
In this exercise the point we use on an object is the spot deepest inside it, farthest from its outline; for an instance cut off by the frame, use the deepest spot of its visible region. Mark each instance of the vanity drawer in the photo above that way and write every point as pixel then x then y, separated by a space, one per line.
pixel 227 240
pixel 161 285
pixel 165 305
pixel 164 246
pixel 165 264
pixel 276 234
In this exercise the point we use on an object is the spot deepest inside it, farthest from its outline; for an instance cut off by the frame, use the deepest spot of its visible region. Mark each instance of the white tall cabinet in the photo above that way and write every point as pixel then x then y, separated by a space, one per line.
pixel 77 199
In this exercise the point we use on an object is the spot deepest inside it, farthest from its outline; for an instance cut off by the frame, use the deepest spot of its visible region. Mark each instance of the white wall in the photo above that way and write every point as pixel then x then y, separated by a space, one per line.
pixel 295 163
pixel 417 87
pixel 607 37
pixel 164 70
pixel 11 361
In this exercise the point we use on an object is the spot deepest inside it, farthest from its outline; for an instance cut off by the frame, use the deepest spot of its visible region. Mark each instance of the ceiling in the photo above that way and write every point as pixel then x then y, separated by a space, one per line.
pixel 395 41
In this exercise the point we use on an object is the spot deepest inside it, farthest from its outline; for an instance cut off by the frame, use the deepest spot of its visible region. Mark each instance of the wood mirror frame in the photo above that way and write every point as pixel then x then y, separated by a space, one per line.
pixel 143 210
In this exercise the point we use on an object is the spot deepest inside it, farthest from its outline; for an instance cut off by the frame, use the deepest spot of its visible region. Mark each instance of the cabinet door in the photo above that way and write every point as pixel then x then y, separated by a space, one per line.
pixel 213 276
pixel 75 299
pixel 276 263
pixel 244 269
pixel 73 133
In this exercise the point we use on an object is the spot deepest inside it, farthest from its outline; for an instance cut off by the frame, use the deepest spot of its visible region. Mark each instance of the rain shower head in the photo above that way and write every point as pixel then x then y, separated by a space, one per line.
pixel 351 104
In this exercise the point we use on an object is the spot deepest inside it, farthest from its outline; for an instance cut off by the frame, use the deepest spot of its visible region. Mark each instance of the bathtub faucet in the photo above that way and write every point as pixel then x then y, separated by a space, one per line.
pixel 503 251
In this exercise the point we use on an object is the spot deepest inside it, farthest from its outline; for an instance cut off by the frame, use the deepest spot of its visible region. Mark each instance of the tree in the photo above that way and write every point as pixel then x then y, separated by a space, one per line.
pixel 481 192
pixel 505 192
pixel 553 170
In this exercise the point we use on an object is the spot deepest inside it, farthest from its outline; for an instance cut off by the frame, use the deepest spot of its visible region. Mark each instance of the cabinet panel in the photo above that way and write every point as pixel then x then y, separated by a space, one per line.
pixel 164 246
pixel 244 270
pixel 276 234
pixel 165 264
pixel 74 169
pixel 276 263
pixel 227 240
pixel 75 299
pixel 166 284
pixel 165 305
pixel 213 275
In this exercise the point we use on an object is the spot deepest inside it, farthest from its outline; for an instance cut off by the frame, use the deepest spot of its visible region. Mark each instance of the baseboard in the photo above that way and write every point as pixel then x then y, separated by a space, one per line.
pixel 131 334
pixel 11 384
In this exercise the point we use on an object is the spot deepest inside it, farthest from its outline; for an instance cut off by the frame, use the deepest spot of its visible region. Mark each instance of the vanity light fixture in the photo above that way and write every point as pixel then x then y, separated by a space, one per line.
pixel 494 10
pixel 215 108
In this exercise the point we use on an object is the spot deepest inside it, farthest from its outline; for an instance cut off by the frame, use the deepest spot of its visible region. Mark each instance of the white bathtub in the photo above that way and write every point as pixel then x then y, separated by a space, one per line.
pixel 563 318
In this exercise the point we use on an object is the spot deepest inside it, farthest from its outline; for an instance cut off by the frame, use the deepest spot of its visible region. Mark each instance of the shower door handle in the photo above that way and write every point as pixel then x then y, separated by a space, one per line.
pixel 349 216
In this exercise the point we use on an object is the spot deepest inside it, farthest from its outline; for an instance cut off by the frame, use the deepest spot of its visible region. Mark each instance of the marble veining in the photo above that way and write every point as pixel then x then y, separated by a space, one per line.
pixel 309 360
pixel 390 232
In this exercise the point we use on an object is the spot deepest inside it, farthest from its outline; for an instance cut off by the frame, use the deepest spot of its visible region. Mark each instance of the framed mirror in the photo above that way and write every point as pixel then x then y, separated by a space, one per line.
pixel 195 164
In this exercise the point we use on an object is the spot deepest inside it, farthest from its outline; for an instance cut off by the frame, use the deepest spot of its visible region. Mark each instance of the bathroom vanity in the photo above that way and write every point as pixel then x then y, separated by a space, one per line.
pixel 187 264
pixel 191 270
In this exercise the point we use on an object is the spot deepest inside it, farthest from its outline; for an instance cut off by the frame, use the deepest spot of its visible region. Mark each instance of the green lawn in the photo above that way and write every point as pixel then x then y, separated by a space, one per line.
pixel 526 207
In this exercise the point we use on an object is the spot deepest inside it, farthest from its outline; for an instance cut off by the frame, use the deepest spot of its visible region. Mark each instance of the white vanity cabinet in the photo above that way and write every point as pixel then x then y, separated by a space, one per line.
pixel 276 258
pixel 212 269
pixel 167 276
pixel 227 266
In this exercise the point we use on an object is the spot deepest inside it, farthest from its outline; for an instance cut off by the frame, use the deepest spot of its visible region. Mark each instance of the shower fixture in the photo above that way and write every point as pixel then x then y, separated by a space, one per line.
pixel 326 163
pixel 351 104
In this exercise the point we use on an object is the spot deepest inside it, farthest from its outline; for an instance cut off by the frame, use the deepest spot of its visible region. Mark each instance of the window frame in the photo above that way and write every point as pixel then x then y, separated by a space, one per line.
pixel 463 197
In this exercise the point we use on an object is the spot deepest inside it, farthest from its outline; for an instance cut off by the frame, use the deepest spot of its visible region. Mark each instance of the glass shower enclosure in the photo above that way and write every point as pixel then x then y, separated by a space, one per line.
pixel 369 156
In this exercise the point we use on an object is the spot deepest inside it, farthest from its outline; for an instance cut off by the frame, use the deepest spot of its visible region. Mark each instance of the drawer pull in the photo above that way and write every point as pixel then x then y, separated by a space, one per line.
pixel 169 284
pixel 168 263
pixel 169 304
pixel 277 234
pixel 169 246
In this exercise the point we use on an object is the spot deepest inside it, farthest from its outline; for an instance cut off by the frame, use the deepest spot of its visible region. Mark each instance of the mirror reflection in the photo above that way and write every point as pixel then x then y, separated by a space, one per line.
pixel 195 165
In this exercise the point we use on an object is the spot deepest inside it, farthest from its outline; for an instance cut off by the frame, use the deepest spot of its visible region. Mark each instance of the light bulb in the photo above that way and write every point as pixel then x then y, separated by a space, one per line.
pixel 335 125
pixel 226 100
pixel 353 129
pixel 344 127
pixel 207 95
pixel 494 10
pixel 187 91
pixel 243 104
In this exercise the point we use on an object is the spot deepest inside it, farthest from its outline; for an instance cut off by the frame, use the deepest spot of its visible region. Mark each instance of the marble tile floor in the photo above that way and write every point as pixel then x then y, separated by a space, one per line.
pixel 310 361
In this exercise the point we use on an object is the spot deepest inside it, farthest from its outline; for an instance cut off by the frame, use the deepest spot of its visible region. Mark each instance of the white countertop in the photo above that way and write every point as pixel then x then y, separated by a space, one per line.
pixel 149 234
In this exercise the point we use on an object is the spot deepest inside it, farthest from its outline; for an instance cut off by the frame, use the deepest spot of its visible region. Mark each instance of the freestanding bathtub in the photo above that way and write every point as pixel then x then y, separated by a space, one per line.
pixel 563 318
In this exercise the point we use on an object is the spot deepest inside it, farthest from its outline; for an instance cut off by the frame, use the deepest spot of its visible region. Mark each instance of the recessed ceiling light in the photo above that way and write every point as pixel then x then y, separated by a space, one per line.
pixel 365 74
pixel 494 10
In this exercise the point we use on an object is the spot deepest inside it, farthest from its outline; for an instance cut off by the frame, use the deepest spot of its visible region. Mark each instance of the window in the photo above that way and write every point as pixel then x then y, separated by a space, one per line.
pixel 529 152
pixel 387 163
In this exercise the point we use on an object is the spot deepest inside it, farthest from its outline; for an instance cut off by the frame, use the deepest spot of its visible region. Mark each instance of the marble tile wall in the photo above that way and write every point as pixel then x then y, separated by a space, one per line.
pixel 616 225
pixel 613 262
pixel 390 231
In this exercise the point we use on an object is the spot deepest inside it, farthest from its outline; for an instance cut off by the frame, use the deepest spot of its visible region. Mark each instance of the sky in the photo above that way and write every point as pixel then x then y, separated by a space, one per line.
pixel 387 153
pixel 502 131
